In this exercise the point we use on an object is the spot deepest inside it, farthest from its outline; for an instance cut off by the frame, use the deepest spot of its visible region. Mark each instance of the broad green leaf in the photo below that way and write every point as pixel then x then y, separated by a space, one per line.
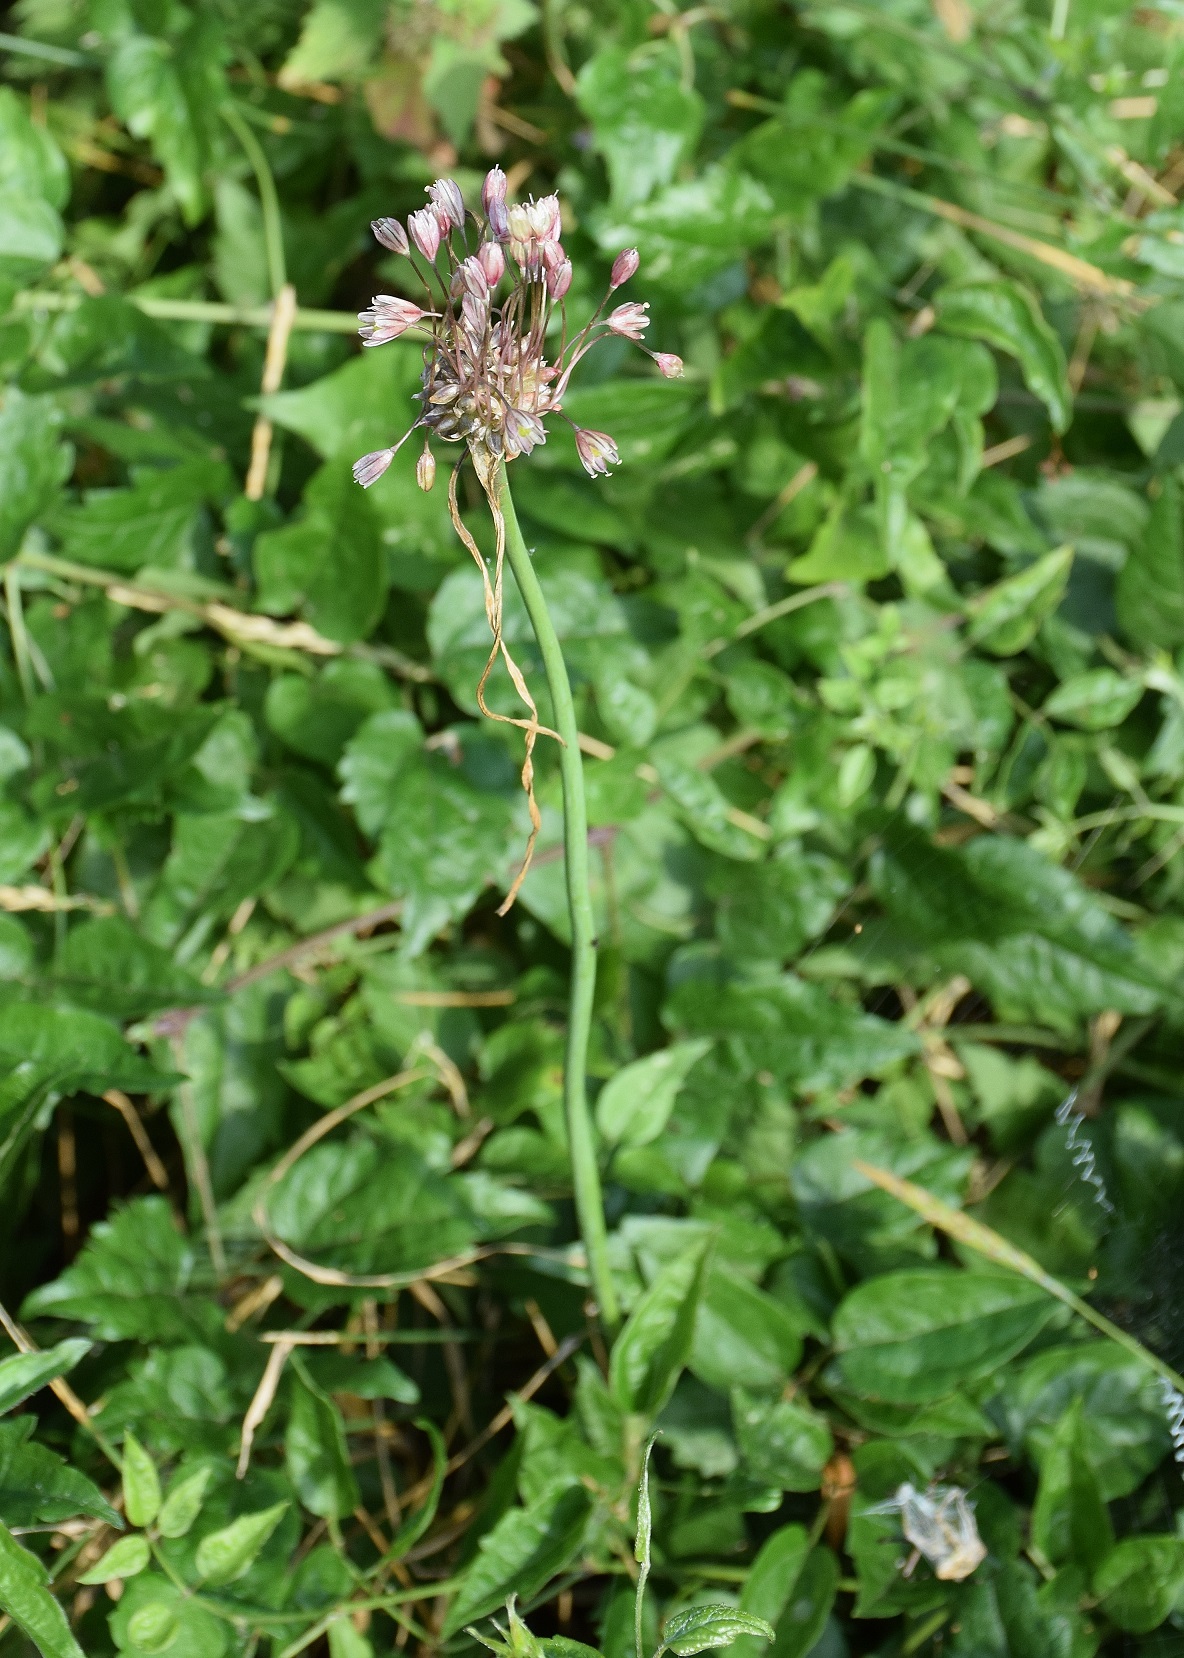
pixel 153 524
pixel 329 565
pixel 917 1335
pixel 123 1559
pixel 141 1483
pixel 783 1443
pixel 1069 1519
pixel 1140 1581
pixel 318 717
pixel 1007 317
pixel 27 1601
pixel 1150 590
pixel 25 1373
pixel 743 1337
pixel 227 1554
pixel 702 1628
pixel 317 1454
pixel 649 1354
pixel 526 1548
pixel 128 1280
pixel 109 966
pixel 182 1505
pixel 1094 701
pixel 634 1106
pixel 33 460
pixel 646 121
pixel 37 1487
pixel 771 1581
pixel 154 1628
pixel 1006 617
pixel 337 39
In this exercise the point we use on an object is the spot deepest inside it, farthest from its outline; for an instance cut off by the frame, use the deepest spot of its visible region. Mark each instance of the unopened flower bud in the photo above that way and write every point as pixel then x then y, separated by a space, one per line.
pixel 472 277
pixel 629 320
pixel 669 365
pixel 387 318
pixel 448 203
pixel 559 280
pixel 425 469
pixel 499 219
pixel 391 234
pixel 624 266
pixel 552 255
pixel 492 261
pixel 424 227
pixel 596 450
pixel 493 188
pixel 371 467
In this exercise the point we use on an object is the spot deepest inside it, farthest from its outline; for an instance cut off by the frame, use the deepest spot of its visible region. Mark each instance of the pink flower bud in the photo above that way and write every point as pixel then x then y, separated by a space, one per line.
pixel 387 318
pixel 624 266
pixel 494 188
pixel 448 203
pixel 499 219
pixel 630 320
pixel 424 227
pixel 472 277
pixel 492 261
pixel 425 469
pixel 559 280
pixel 669 365
pixel 391 234
pixel 552 255
pixel 371 467
pixel 596 450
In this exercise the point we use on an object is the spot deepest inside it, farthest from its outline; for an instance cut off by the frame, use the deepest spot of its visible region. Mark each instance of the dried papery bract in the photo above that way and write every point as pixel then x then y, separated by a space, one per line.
pixel 488 381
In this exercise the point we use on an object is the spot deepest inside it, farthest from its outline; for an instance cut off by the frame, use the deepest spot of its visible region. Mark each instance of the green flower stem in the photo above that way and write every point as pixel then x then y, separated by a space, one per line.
pixel 269 201
pixel 585 1174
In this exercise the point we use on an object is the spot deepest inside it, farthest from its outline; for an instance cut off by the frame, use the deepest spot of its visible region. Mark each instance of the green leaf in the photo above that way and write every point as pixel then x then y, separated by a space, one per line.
pixel 743 1337
pixel 183 1504
pixel 38 1488
pixel 338 39
pixel 916 1335
pixel 141 1483
pixel 1094 701
pixel 154 1627
pixel 649 1354
pixel 25 1373
pixel 1149 594
pixel 153 524
pixel 227 1554
pixel 634 1106
pixel 29 1604
pixel 702 1628
pixel 318 717
pixel 524 1551
pixel 1007 317
pixel 331 565
pixel 33 460
pixel 106 964
pixel 646 122
pixel 123 1559
pixel 316 1451
pixel 783 1443
pixel 1006 617
pixel 1069 1519
pixel 128 1280
pixel 1140 1581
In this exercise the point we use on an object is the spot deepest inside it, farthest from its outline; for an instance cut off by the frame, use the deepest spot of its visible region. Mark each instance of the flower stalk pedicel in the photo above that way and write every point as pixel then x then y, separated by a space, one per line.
pixel 489 382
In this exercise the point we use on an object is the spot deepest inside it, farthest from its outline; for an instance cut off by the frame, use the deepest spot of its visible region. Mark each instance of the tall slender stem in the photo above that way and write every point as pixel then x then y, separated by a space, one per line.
pixel 585 1174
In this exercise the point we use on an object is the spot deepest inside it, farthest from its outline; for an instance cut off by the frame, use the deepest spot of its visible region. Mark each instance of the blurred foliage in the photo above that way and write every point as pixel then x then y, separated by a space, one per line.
pixel 877 638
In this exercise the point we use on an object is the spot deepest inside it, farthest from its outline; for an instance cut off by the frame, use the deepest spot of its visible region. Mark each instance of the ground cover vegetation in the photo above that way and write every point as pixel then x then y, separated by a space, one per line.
pixel 873 635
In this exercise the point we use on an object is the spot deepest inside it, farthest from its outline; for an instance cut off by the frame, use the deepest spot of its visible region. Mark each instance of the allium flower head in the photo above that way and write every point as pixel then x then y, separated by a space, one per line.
pixel 494 371
pixel 489 380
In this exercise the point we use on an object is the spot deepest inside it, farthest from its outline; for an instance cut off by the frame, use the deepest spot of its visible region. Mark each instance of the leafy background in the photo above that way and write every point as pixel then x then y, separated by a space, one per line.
pixel 875 641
